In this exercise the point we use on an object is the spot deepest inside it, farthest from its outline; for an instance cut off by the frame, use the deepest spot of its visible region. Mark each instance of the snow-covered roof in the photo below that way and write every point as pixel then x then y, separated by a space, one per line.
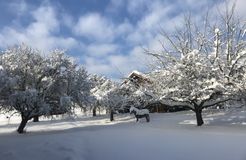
pixel 136 77
pixel 135 72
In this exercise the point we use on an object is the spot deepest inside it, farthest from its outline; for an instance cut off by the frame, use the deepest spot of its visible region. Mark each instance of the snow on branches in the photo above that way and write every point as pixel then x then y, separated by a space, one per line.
pixel 202 66
pixel 34 85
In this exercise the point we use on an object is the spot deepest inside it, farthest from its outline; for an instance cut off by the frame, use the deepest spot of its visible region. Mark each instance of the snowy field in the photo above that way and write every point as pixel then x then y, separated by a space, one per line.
pixel 168 136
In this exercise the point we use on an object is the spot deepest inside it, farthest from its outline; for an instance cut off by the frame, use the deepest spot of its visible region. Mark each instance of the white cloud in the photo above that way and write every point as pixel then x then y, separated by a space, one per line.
pixel 7 40
pixel 68 20
pixel 98 66
pixel 119 65
pixel 145 33
pixel 136 59
pixel 150 24
pixel 96 27
pixel 138 6
pixel 101 50
pixel 124 28
pixel 107 38
pixel 45 20
pixel 39 34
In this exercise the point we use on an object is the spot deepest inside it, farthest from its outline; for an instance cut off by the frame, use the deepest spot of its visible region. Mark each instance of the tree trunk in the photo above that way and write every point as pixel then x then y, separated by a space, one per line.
pixel 199 117
pixel 111 115
pixel 94 113
pixel 36 119
pixel 22 125
pixel 84 110
pixel 99 110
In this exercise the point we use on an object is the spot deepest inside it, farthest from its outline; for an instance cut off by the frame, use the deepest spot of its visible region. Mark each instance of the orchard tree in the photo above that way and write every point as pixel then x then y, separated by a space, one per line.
pixel 114 99
pixel 202 64
pixel 137 95
pixel 29 104
pixel 60 69
pixel 195 83
pixel 35 85
pixel 100 86
pixel 6 84
pixel 79 87
pixel 68 80
pixel 25 67
pixel 123 95
pixel 108 94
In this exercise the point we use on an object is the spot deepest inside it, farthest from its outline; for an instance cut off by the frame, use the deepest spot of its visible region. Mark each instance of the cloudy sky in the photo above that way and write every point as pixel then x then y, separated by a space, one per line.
pixel 106 36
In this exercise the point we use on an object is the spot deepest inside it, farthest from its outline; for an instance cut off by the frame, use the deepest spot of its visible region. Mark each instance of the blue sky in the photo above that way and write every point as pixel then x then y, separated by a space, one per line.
pixel 106 36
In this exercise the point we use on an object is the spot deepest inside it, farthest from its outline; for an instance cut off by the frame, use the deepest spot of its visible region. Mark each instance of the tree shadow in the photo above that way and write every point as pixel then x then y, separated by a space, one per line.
pixel 92 124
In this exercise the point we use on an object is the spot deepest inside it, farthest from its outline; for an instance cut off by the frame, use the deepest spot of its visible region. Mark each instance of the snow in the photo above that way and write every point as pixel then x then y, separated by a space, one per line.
pixel 244 33
pixel 136 72
pixel 217 30
pixel 171 136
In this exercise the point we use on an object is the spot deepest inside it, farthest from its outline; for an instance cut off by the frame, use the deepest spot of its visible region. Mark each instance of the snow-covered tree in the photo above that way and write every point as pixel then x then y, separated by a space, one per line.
pixel 112 100
pixel 110 95
pixel 6 84
pixel 26 69
pixel 79 88
pixel 56 84
pixel 100 86
pixel 201 66
pixel 68 80
pixel 117 97
pixel 196 84
pixel 29 104
pixel 34 85
pixel 136 95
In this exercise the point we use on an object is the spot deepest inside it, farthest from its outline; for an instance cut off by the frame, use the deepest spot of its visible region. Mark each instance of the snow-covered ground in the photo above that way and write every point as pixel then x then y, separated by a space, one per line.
pixel 168 136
